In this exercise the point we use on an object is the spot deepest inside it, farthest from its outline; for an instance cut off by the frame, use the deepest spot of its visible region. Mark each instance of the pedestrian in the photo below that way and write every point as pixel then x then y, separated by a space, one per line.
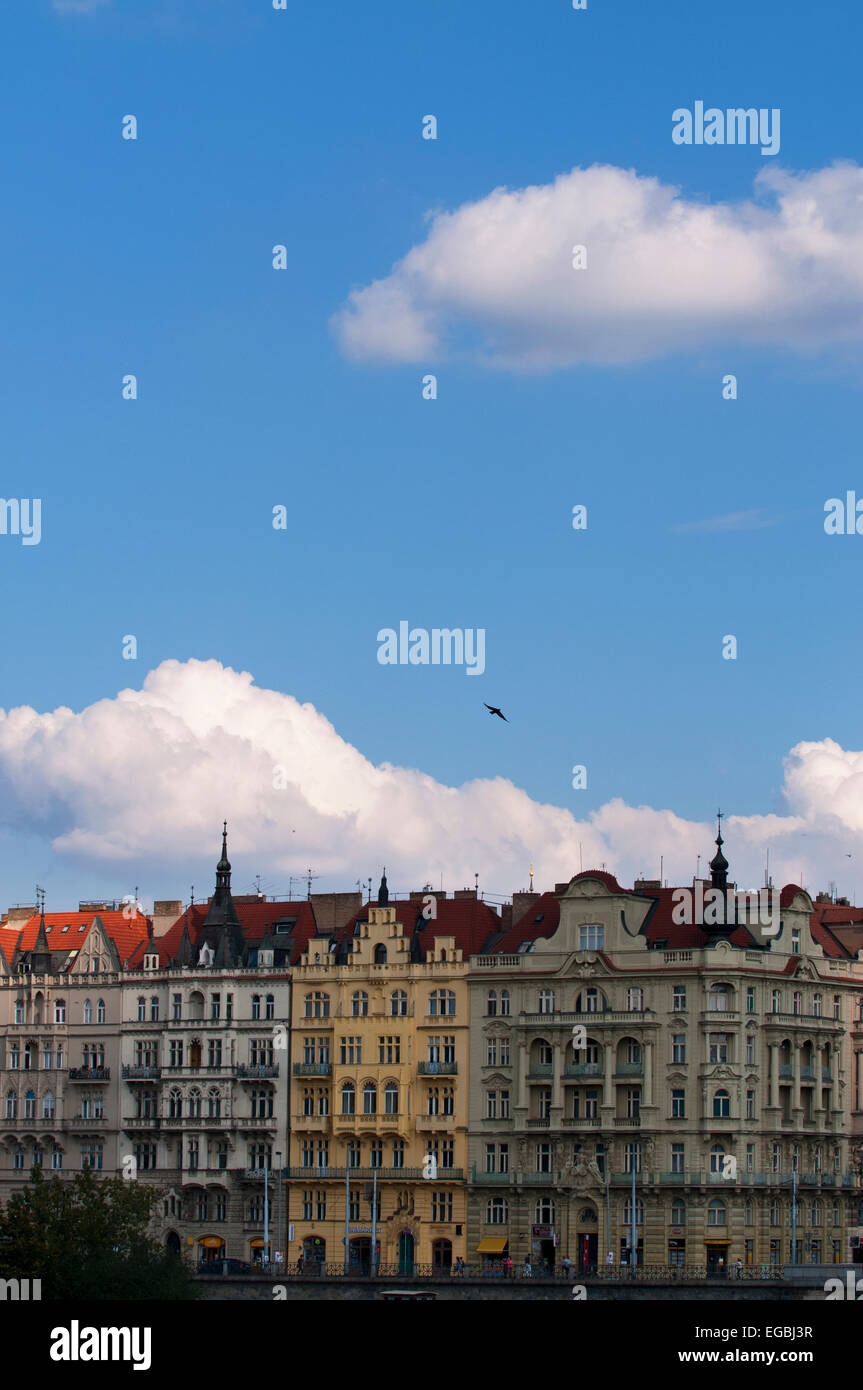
pixel 609 1259
pixel 739 1268
pixel 566 1266
pixel 300 1263
pixel 527 1269
pixel 508 1267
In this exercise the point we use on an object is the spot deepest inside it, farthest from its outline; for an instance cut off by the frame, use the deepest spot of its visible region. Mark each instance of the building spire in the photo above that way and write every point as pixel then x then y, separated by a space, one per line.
pixel 383 891
pixel 719 864
pixel 223 868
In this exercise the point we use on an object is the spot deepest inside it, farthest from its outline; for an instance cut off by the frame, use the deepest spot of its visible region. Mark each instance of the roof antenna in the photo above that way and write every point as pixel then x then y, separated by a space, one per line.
pixel 531 875
pixel 193 895
pixel 661 862
pixel 476 885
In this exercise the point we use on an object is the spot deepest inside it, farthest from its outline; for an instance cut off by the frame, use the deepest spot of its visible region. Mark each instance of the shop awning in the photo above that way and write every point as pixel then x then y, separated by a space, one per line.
pixel 256 1244
pixel 211 1242
pixel 492 1245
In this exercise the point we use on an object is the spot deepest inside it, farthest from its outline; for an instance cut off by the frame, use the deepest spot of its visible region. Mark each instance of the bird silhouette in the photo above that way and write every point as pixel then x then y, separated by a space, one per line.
pixel 491 709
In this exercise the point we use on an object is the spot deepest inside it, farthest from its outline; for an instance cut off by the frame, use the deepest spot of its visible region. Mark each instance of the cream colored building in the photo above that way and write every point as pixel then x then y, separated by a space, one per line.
pixel 715 1064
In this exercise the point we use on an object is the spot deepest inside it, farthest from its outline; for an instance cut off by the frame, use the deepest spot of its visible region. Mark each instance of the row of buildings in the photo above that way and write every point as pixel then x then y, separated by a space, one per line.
pixel 434 1078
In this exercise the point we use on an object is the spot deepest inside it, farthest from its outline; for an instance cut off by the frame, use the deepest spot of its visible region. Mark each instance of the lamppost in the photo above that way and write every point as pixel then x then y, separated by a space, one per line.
pixel 266 1211
pixel 279 1250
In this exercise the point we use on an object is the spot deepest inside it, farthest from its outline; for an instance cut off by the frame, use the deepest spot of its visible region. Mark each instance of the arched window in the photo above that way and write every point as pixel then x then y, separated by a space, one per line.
pixel 717 1158
pixel 88 1011
pixel 497 1211
pixel 380 954
pixel 214 1103
pixel 142 1009
pixel 256 1005
pixel 678 1212
pixel 195 1104
pixel 719 998
pixel 59 1010
pixel 30 1105
pixel 391 1098
pixel 398 1004
pixel 175 1103
pixel 154 1008
pixel 100 1011
pixel 48 1106
pixel 590 1001
pixel 30 1056
pixel 359 1004
pixel 716 1212
pixel 490 1003
pixel 270 1006
pixel 19 1010
pixel 721 1105
pixel 776 1002
pixel 545 1212
pixel 504 1002
pixel 349 1094
pixel 370 1098
pixel 11 1105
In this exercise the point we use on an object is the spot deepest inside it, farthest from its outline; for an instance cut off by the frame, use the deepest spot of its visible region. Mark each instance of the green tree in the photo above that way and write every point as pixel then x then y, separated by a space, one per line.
pixel 88 1238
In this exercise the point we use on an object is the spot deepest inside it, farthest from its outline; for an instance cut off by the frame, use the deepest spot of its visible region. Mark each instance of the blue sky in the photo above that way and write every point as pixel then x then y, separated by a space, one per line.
pixel 154 257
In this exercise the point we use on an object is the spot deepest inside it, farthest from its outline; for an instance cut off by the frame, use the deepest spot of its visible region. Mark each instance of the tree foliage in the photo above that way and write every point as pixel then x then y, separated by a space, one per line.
pixel 88 1237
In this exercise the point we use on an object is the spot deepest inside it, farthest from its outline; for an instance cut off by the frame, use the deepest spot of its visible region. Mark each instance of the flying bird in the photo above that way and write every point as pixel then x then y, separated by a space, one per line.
pixel 491 709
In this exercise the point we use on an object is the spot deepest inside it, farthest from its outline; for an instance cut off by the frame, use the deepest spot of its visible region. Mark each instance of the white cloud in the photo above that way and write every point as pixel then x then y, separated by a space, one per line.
pixel 664 273
pixel 146 778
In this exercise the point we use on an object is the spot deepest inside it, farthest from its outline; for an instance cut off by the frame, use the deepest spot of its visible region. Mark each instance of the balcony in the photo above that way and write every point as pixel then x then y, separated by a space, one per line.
pixel 627 1121
pixel 89 1073
pixel 136 1122
pixel 597 1019
pixel 313 1068
pixel 582 1069
pixel 437 1068
pixel 252 1122
pixel 629 1069
pixel 491 1179
pixel 580 1122
pixel 805 1020
pixel 365 1175
pixel 261 1071
pixel 539 1122
pixel 79 1124
pixel 313 1124
pixel 136 1073
pixel 540 1069
pixel 430 1124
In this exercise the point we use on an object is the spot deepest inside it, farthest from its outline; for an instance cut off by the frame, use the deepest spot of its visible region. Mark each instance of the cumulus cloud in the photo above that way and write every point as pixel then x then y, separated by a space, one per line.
pixel 148 775
pixel 494 278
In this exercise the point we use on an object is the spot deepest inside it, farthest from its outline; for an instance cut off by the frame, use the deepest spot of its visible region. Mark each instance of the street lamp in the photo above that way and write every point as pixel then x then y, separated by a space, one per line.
pixel 279 1250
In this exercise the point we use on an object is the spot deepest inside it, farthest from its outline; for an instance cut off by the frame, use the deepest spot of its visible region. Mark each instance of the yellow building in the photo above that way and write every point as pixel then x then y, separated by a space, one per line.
pixel 379 1054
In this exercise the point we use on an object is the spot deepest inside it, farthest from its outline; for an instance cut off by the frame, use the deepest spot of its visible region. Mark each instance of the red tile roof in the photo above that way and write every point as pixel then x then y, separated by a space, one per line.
pixel 127 933
pixel 256 919
pixel 543 918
